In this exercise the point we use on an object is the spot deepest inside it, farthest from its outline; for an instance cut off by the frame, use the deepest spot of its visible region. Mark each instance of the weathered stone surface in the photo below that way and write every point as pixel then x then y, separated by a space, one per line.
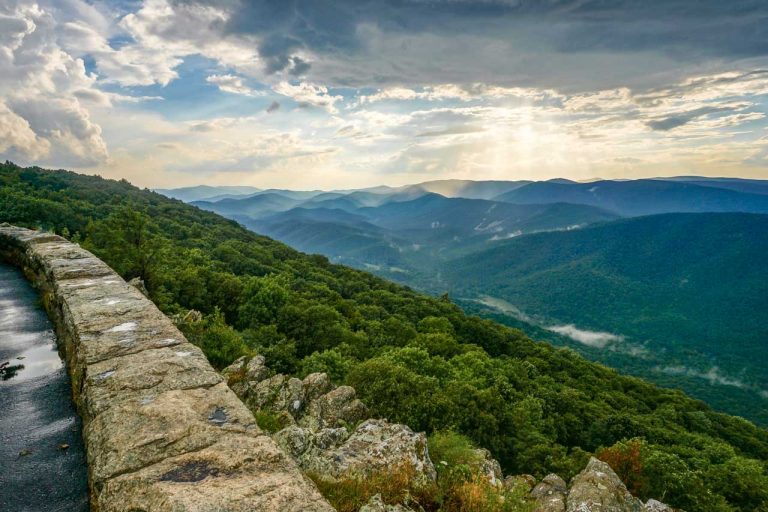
pixel 313 402
pixel 143 375
pixel 599 489
pixel 138 283
pixel 256 369
pixel 656 506
pixel 374 446
pixel 516 481
pixel 134 434
pixel 324 432
pixel 237 474
pixel 163 432
pixel 490 467
pixel 376 504
pixel 335 408
pixel 596 489
pixel 550 494
pixel 316 385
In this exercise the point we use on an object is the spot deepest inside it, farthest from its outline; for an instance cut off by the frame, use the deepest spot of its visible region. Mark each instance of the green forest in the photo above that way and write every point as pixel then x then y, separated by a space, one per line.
pixel 682 289
pixel 413 358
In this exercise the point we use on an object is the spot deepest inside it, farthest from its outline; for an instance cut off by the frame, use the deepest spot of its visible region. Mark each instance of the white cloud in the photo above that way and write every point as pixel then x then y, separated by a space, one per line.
pixel 590 338
pixel 713 375
pixel 16 136
pixel 40 87
pixel 232 84
pixel 309 94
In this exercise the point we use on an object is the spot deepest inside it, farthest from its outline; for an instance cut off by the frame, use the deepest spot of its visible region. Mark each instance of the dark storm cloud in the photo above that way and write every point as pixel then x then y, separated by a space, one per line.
pixel 716 26
pixel 686 31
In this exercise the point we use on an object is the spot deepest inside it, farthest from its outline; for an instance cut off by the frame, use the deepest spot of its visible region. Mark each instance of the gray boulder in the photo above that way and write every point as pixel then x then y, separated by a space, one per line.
pixel 599 489
pixel 550 494
pixel 490 467
pixel 374 446
pixel 336 408
pixel 324 429
pixel 376 504
pixel 596 489
pixel 656 506
pixel 138 283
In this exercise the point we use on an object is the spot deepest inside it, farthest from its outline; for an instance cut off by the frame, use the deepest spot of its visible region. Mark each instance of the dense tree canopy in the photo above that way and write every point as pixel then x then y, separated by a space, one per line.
pixel 412 358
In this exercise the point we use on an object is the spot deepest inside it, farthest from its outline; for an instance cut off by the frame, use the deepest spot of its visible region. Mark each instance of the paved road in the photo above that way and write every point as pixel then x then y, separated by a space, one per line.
pixel 37 416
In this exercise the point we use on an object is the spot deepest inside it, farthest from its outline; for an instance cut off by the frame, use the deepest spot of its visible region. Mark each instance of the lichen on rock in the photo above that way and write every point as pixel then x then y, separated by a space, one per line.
pixel 328 429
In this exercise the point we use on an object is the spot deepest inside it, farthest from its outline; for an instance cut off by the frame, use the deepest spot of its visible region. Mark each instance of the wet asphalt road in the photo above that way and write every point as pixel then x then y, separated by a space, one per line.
pixel 37 416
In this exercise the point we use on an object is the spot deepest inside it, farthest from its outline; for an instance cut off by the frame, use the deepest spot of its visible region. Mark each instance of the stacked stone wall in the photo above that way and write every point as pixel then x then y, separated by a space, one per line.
pixel 162 430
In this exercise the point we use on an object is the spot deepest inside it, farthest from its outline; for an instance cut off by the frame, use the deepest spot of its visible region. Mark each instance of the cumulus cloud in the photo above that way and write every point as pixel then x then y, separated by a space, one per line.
pixel 402 90
pixel 232 84
pixel 18 138
pixel 307 94
pixel 41 88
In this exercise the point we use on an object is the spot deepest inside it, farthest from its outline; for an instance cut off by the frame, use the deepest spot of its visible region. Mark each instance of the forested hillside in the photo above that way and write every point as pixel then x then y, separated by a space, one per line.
pixel 682 293
pixel 413 358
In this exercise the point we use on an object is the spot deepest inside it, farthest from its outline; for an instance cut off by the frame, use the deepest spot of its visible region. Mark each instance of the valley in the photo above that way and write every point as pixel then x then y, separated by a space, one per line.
pixel 657 278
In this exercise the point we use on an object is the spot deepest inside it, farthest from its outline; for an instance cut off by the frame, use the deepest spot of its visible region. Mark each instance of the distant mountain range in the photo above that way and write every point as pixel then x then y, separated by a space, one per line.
pixel 410 235
pixel 201 192
pixel 647 197
pixel 663 278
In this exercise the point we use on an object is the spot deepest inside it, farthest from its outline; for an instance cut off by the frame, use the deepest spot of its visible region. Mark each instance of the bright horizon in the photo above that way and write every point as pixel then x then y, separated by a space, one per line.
pixel 344 94
pixel 383 185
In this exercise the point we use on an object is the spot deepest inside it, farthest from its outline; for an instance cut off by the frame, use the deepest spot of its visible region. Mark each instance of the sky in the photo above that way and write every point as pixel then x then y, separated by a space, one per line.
pixel 336 94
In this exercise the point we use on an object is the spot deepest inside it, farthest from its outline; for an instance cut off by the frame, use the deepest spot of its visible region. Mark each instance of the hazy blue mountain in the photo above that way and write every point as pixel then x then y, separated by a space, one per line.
pixel 318 214
pixel 678 298
pixel 335 233
pixel 411 237
pixel 738 184
pixel 466 218
pixel 203 192
pixel 324 201
pixel 467 188
pixel 640 197
pixel 253 206
pixel 220 197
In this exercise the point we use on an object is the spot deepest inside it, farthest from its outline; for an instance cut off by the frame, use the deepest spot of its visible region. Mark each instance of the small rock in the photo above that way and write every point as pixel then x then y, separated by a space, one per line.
pixel 316 385
pixel 25 452
pixel 376 504
pixel 375 445
pixel 599 489
pixel 193 316
pixel 138 283
pixel 63 446
pixel 516 481
pixel 656 506
pixel 334 409
pixel 550 494
pixel 489 467
pixel 256 369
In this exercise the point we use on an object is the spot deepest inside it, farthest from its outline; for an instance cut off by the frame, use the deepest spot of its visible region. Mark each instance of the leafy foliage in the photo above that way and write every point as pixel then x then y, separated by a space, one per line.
pixel 684 290
pixel 413 358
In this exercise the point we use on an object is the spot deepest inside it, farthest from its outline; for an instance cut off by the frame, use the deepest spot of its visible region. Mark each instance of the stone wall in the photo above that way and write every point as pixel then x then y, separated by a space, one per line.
pixel 162 430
